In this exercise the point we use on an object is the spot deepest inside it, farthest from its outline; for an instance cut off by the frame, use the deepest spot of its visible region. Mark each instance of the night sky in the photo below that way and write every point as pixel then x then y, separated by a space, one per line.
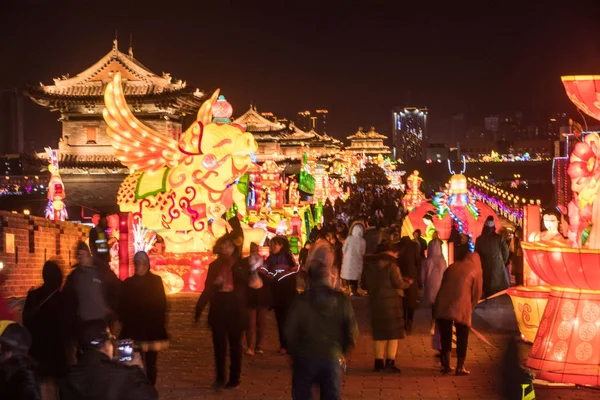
pixel 358 59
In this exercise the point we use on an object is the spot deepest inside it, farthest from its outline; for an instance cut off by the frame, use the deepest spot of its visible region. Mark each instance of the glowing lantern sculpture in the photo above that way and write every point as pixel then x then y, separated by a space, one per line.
pixel 178 186
pixel 567 345
pixel 55 210
pixel 413 197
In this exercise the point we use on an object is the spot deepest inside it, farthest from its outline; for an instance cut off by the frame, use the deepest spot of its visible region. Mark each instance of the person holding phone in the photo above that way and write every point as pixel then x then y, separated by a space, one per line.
pixel 143 312
pixel 98 375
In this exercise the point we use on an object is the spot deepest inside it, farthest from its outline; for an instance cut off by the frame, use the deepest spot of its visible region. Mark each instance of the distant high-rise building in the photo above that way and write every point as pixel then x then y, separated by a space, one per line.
pixel 409 133
pixel 11 122
pixel 321 121
pixel 303 120
pixel 316 121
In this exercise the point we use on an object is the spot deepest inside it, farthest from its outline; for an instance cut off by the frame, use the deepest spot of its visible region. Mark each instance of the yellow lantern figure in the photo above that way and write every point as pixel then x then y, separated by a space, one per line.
pixel 178 186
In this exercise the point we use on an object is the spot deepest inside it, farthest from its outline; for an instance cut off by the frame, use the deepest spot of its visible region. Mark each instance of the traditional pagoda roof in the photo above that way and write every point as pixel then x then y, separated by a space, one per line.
pixel 140 84
pixel 252 121
pixel 298 134
pixel 371 134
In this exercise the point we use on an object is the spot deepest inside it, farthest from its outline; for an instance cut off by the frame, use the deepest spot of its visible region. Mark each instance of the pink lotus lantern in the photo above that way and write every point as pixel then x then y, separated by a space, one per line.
pixel 567 344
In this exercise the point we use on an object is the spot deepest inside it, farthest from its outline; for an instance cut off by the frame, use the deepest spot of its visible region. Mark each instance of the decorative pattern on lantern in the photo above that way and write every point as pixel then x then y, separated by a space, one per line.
pixel 222 111
pixel 178 186
pixel 567 345
pixel 584 92
pixel 529 304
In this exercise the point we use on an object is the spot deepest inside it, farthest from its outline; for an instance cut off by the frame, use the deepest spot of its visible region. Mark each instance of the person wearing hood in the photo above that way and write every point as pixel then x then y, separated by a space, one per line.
pixel 432 272
pixel 320 330
pixel 143 310
pixel 353 252
pixel 17 378
pixel 493 250
pixel 385 284
pixel 44 318
pixel 454 304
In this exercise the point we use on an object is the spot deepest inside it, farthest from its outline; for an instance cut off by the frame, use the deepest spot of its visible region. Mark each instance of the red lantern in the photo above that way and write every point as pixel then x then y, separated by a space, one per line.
pixel 222 108
pixel 584 92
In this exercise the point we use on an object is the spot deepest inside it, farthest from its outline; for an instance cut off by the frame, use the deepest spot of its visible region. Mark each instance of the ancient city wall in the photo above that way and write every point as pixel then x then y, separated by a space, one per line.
pixel 26 242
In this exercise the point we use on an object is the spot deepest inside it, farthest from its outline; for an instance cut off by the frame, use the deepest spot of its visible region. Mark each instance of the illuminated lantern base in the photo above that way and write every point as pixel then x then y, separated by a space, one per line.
pixel 182 272
pixel 567 344
pixel 529 304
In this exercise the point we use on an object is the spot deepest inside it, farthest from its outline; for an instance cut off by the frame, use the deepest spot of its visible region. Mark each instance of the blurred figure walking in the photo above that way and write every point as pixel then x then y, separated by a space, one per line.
pixel 320 330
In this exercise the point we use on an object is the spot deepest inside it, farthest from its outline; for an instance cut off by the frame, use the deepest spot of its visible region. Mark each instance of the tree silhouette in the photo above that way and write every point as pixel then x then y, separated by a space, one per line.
pixel 372 174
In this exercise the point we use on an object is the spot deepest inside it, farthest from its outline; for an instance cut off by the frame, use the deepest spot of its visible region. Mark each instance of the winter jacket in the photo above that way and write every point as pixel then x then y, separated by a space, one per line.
pixel 354 249
pixel 493 250
pixel 320 325
pixel 283 283
pixel 460 290
pixel 17 380
pixel 86 294
pixel 409 260
pixel 143 311
pixel 44 317
pixel 96 377
pixel 385 302
pixel 227 309
pixel 432 272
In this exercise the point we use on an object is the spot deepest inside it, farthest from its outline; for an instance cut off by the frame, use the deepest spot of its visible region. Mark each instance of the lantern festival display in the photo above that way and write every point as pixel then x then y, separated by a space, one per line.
pixel 413 197
pixel 181 188
pixel 566 348
pixel 178 186
pixel 455 206
pixel 55 209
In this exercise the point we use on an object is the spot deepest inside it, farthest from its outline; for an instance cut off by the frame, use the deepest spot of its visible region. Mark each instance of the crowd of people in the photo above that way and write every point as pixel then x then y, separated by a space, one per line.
pixel 67 348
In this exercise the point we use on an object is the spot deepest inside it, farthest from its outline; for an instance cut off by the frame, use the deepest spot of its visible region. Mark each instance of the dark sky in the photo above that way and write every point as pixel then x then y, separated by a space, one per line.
pixel 358 59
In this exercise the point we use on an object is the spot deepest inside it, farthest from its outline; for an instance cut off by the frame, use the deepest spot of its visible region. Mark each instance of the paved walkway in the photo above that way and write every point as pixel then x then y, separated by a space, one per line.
pixel 186 369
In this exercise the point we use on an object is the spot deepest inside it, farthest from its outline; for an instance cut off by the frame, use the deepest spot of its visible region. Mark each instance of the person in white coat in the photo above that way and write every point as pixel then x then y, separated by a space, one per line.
pixel 354 251
pixel 432 272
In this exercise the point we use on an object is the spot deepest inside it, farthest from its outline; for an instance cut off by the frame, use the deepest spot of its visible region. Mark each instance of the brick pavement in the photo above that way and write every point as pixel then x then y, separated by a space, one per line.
pixel 186 369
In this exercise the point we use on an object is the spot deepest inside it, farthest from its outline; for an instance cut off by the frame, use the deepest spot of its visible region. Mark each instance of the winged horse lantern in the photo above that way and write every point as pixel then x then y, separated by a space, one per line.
pixel 178 186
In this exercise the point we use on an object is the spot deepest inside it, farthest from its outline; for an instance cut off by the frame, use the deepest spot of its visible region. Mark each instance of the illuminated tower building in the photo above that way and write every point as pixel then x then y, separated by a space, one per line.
pixel 409 133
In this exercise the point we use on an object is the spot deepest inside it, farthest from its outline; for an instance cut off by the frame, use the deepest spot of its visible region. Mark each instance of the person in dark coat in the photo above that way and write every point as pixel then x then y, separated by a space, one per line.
pixel 143 313
pixel 493 250
pixel 408 260
pixel 98 377
pixel 17 377
pixel 282 276
pixel 44 318
pixel 259 300
pixel 320 331
pixel 385 284
pixel 516 255
pixel 225 290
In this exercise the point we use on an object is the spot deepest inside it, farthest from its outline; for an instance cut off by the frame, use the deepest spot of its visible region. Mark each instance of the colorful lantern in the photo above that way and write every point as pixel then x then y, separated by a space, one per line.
pixel 529 304
pixel 584 92
pixel 177 186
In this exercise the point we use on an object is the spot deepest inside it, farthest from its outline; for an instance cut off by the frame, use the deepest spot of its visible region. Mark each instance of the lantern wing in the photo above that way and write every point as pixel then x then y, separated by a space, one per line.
pixel 136 145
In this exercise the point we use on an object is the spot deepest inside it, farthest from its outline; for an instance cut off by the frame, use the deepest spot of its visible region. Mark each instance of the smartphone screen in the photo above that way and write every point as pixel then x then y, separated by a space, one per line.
pixel 125 350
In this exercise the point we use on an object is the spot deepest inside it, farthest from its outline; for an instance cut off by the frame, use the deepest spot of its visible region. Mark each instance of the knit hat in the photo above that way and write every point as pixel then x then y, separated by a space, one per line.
pixel 14 336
